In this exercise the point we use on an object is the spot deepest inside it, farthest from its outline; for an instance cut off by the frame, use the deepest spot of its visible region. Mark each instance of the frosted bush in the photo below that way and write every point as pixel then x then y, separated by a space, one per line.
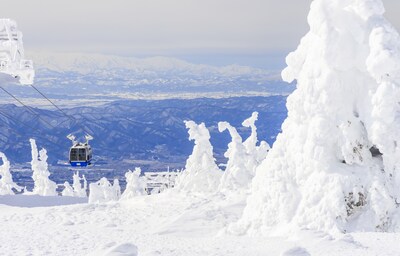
pixel 6 182
pixel 102 191
pixel 321 174
pixel 201 174
pixel 135 185
pixel 42 184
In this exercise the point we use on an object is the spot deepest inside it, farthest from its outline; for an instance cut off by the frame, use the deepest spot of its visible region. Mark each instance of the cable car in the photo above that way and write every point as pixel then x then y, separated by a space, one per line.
pixel 80 154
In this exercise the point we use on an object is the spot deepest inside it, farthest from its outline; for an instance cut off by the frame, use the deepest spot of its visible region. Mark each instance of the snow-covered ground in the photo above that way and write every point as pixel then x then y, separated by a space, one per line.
pixel 170 223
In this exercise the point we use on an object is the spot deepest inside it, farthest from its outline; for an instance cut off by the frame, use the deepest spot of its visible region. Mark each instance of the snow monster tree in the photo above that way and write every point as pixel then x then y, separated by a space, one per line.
pixel 336 165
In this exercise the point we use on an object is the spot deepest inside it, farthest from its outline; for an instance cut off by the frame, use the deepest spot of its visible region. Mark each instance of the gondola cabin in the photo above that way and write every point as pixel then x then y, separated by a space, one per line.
pixel 80 154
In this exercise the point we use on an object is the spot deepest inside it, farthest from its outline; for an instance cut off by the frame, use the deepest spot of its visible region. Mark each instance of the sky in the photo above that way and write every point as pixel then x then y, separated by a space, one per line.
pixel 219 32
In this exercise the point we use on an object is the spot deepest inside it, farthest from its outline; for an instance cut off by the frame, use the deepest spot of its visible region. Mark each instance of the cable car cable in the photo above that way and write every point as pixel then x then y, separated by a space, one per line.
pixel 44 96
pixel 27 107
pixel 63 112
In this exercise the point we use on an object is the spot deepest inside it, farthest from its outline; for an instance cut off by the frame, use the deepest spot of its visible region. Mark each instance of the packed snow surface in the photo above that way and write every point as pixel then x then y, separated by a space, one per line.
pixel 164 224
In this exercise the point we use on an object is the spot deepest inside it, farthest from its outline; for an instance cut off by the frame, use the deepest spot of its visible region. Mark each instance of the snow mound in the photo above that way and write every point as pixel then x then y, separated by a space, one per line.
pixel 42 184
pixel 296 251
pixel 335 166
pixel 6 182
pixel 126 249
pixel 102 191
pixel 201 174
pixel 33 201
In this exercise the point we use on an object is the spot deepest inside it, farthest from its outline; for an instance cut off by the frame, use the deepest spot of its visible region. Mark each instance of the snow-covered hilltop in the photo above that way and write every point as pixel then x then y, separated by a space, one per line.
pixel 335 167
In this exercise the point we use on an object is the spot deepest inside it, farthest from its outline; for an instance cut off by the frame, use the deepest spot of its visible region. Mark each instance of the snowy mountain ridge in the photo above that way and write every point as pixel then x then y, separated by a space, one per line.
pixel 85 63
pixel 108 74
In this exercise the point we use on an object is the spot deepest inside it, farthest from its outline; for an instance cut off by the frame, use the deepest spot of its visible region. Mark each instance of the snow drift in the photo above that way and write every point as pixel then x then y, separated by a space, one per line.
pixel 335 166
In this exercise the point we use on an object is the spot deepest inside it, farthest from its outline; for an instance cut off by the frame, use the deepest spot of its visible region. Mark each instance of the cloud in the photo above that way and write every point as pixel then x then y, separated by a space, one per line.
pixel 165 26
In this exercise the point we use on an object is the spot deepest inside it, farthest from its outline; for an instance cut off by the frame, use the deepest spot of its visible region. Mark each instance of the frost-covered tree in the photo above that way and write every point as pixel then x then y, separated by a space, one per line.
pixel 78 187
pixel 257 153
pixel 102 191
pixel 42 184
pixel 335 166
pixel 68 190
pixel 243 157
pixel 135 185
pixel 236 175
pixel 6 182
pixel 201 174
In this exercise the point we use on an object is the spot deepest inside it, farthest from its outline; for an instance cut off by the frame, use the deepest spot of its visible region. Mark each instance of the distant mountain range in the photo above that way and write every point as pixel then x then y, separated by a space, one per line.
pixel 147 131
pixel 93 75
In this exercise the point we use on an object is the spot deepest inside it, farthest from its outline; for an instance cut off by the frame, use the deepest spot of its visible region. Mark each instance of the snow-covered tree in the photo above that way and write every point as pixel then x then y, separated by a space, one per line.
pixel 79 189
pixel 243 157
pixel 68 190
pixel 102 191
pixel 135 185
pixel 6 182
pixel 236 175
pixel 335 166
pixel 201 174
pixel 42 184
pixel 257 153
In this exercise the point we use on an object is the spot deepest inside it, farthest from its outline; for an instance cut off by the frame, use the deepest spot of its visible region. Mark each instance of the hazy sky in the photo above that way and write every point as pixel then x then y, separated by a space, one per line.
pixel 253 32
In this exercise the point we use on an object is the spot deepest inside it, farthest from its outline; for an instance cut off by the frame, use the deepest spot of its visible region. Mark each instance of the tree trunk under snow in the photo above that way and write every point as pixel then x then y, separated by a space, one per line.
pixel 321 173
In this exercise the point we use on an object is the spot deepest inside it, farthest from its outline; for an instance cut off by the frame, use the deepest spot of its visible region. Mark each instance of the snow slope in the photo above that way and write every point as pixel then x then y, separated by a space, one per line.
pixel 163 224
